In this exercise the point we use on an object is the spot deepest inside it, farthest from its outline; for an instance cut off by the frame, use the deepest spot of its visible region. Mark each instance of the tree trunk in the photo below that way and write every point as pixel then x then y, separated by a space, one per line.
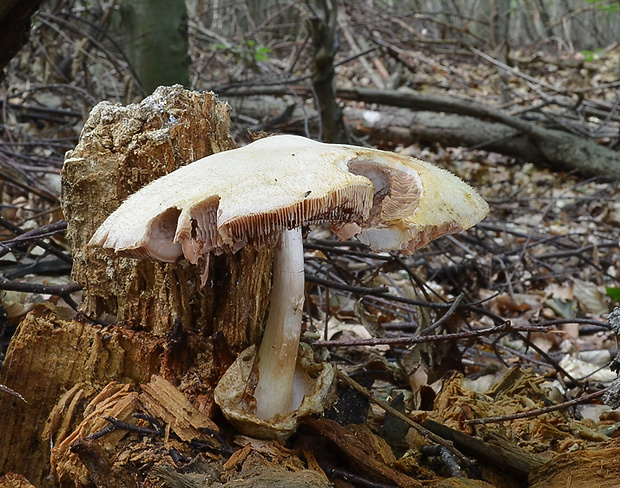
pixel 500 27
pixel 122 149
pixel 323 24
pixel 14 27
pixel 156 41
pixel 167 326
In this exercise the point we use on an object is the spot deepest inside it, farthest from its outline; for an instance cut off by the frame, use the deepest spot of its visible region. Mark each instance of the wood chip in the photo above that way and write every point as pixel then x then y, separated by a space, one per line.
pixel 163 400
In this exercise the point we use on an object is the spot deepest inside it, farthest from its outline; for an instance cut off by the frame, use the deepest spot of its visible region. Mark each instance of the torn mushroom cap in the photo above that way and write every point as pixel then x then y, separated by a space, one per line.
pixel 414 202
pixel 248 195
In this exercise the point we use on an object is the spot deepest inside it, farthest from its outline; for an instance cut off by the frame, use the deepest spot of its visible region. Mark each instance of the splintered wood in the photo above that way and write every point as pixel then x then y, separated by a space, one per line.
pixel 61 367
pixel 164 401
pixel 75 374
pixel 12 480
pixel 581 469
pixel 121 149
pixel 114 401
pixel 87 444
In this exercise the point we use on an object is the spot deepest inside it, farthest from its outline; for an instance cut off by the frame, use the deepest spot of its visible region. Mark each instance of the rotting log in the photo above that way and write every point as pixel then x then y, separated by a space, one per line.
pixel 391 127
pixel 561 150
pixel 165 327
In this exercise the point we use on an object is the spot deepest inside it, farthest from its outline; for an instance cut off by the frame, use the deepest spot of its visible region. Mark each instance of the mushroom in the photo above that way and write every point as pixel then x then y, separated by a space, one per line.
pixel 261 195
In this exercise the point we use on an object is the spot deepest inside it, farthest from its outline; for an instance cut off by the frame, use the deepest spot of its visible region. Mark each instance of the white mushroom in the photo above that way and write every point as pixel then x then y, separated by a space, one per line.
pixel 261 195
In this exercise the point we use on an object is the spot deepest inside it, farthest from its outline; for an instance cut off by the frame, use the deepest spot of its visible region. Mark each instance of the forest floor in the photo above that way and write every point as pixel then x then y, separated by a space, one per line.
pixel 529 289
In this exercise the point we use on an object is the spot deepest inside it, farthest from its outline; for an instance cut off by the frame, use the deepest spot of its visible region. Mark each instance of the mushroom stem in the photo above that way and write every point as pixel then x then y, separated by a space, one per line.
pixel 277 354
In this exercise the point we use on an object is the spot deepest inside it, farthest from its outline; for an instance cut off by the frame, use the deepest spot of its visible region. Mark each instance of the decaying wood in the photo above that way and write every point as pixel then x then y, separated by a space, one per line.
pixel 69 453
pixel 120 150
pixel 258 478
pixel 561 150
pixel 366 451
pixel 164 401
pixel 170 332
pixel 580 469
pixel 85 374
pixel 463 483
pixel 54 362
pixel 12 480
pixel 83 454
pixel 498 131
pixel 392 127
pixel 495 451
pixel 101 467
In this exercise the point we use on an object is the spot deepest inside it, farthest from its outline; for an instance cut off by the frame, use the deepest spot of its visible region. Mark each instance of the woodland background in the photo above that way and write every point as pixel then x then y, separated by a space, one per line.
pixel 519 98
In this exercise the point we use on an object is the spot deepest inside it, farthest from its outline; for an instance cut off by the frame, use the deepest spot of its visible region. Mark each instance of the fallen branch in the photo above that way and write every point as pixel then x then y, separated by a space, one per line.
pixel 493 128
pixel 35 235
pixel 62 291
pixel 350 382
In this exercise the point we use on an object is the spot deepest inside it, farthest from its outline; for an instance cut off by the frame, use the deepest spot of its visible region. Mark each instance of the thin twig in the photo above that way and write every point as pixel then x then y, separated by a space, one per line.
pixel 35 235
pixel 453 307
pixel 401 341
pixel 12 392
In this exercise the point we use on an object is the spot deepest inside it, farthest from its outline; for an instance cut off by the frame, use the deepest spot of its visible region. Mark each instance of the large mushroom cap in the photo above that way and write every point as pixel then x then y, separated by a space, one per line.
pixel 248 195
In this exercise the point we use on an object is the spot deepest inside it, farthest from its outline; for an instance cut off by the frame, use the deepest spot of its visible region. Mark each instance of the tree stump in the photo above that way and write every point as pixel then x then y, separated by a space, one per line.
pixel 121 150
pixel 167 330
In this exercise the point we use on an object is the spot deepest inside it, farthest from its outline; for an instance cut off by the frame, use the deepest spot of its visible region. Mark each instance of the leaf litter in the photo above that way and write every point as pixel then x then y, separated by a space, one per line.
pixel 538 274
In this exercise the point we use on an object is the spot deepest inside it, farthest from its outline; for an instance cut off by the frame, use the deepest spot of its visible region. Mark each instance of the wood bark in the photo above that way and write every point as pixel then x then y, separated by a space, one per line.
pixel 560 150
pixel 120 150
pixel 323 24
pixel 156 41
pixel 166 325
pixel 392 127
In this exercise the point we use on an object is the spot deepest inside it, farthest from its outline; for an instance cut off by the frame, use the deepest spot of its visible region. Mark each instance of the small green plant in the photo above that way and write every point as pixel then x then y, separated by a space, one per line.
pixel 259 53
pixel 609 6
pixel 613 292
pixel 590 55
pixel 248 52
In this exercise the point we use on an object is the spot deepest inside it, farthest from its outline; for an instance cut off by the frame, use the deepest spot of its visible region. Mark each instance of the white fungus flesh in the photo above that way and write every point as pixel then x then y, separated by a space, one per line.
pixel 247 196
